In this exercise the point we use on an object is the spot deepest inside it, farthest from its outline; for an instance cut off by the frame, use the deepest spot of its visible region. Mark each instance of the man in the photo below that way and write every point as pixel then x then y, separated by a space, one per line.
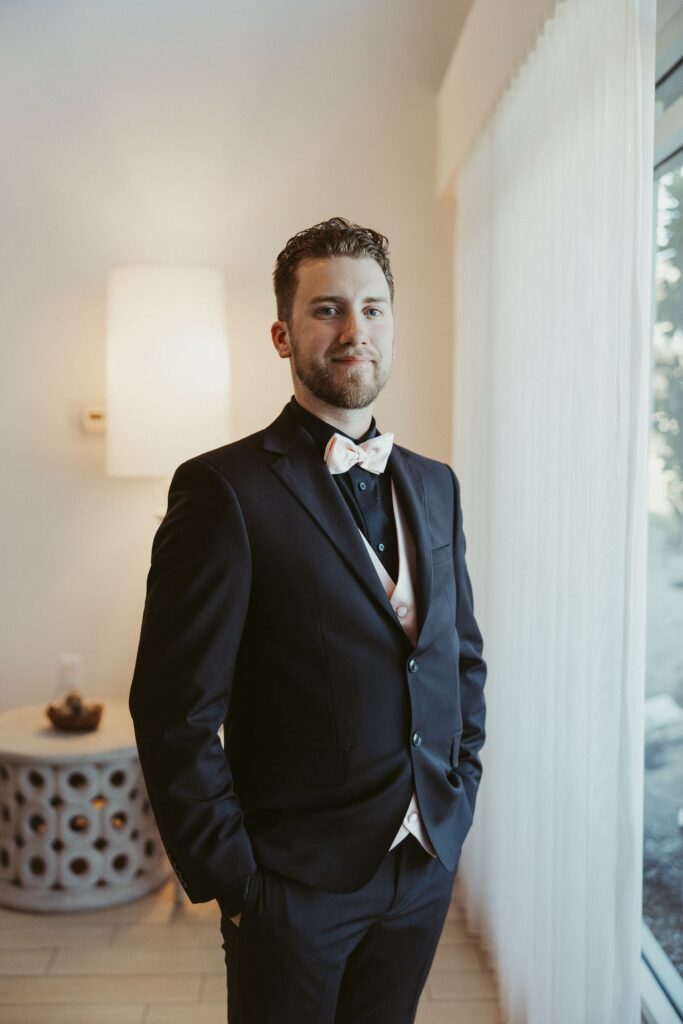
pixel 308 590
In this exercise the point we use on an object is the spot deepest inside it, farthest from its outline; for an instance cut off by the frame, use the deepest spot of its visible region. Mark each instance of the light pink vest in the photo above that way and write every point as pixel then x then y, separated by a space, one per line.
pixel 402 596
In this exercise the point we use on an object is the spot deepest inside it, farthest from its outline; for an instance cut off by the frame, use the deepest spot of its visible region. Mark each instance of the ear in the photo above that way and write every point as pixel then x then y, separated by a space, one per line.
pixel 279 332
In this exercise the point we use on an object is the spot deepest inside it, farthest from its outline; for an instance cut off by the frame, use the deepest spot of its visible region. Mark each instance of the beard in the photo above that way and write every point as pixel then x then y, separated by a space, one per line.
pixel 345 387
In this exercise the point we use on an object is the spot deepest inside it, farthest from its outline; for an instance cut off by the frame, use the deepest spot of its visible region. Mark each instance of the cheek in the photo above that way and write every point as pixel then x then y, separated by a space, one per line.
pixel 312 355
pixel 386 347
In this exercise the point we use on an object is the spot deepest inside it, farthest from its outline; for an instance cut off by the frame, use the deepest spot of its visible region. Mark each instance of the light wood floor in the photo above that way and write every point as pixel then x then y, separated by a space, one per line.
pixel 153 962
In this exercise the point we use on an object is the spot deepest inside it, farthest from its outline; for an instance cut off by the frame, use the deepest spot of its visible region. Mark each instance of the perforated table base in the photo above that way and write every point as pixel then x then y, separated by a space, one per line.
pixel 76 829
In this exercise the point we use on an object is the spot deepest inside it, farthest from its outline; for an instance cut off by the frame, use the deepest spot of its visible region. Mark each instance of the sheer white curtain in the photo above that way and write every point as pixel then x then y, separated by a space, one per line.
pixel 553 310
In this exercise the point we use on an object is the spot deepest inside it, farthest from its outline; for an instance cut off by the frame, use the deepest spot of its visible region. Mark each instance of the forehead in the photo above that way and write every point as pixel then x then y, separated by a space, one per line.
pixel 350 276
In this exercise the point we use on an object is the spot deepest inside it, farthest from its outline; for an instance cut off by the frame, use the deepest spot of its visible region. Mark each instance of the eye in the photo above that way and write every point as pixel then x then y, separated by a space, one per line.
pixel 373 312
pixel 326 310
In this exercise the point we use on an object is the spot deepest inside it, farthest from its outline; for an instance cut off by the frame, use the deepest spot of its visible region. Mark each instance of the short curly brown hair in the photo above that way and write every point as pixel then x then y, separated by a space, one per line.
pixel 334 237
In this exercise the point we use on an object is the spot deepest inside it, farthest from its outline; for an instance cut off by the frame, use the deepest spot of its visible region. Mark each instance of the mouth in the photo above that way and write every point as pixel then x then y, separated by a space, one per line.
pixel 352 361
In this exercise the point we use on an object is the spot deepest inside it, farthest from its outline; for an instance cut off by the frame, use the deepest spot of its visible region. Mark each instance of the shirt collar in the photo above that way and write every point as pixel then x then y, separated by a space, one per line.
pixel 321 432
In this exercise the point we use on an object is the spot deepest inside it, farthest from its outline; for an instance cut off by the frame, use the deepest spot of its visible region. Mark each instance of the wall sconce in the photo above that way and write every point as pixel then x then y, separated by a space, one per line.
pixel 167 368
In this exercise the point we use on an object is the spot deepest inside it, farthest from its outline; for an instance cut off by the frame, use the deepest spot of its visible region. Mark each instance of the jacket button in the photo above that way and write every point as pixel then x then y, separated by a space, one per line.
pixel 453 778
pixel 417 739
pixel 413 665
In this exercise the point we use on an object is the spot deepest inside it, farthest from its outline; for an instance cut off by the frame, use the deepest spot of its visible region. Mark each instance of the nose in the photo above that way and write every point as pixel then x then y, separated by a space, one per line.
pixel 353 330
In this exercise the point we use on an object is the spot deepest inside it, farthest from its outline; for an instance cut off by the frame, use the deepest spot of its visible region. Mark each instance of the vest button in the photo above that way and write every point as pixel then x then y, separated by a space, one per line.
pixel 380 546
pixel 417 739
pixel 413 666
pixel 362 485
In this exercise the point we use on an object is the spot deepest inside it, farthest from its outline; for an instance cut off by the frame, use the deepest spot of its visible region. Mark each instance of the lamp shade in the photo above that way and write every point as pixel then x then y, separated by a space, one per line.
pixel 167 368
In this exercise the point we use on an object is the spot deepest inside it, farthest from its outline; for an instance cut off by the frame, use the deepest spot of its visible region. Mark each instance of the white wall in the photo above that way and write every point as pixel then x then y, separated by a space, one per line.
pixel 185 132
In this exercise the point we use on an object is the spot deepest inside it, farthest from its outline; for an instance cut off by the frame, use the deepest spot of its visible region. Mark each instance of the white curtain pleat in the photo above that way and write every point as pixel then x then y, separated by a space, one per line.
pixel 552 294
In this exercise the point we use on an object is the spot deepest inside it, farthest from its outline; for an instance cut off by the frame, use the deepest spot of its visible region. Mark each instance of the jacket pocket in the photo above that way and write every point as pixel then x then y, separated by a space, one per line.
pixel 455 748
pixel 293 769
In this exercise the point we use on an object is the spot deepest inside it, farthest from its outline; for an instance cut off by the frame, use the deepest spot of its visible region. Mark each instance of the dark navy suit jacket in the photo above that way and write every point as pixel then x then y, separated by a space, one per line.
pixel 265 613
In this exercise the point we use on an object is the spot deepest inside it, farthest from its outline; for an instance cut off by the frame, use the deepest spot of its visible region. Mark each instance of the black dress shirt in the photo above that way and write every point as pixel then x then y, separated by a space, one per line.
pixel 368 495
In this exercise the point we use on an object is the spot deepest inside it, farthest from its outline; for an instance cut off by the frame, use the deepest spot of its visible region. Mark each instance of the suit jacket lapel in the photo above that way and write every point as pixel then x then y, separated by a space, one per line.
pixel 410 492
pixel 303 472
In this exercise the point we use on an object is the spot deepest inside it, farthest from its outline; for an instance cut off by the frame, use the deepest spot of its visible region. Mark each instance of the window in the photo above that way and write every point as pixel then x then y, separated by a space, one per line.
pixel 663 805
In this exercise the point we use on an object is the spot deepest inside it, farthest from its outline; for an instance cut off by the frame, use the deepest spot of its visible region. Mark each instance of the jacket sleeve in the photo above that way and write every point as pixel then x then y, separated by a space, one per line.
pixel 472 667
pixel 197 596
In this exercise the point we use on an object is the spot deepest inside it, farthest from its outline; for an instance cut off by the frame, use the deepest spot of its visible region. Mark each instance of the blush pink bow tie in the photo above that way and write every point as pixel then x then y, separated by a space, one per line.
pixel 342 453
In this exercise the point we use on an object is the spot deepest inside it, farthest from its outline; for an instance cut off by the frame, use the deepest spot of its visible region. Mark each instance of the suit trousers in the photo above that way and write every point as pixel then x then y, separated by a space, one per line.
pixel 306 956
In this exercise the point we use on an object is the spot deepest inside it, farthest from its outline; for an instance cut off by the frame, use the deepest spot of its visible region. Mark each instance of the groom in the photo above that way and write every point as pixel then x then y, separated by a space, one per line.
pixel 308 590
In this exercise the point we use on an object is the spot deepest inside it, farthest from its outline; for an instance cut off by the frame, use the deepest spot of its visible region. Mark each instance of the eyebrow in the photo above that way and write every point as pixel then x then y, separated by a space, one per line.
pixel 340 299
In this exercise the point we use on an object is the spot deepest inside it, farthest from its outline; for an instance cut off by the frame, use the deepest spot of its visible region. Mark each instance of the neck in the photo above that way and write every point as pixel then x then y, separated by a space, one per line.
pixel 353 422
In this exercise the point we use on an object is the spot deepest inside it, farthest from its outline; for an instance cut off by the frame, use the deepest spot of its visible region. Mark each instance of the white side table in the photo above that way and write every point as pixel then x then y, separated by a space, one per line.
pixel 76 827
